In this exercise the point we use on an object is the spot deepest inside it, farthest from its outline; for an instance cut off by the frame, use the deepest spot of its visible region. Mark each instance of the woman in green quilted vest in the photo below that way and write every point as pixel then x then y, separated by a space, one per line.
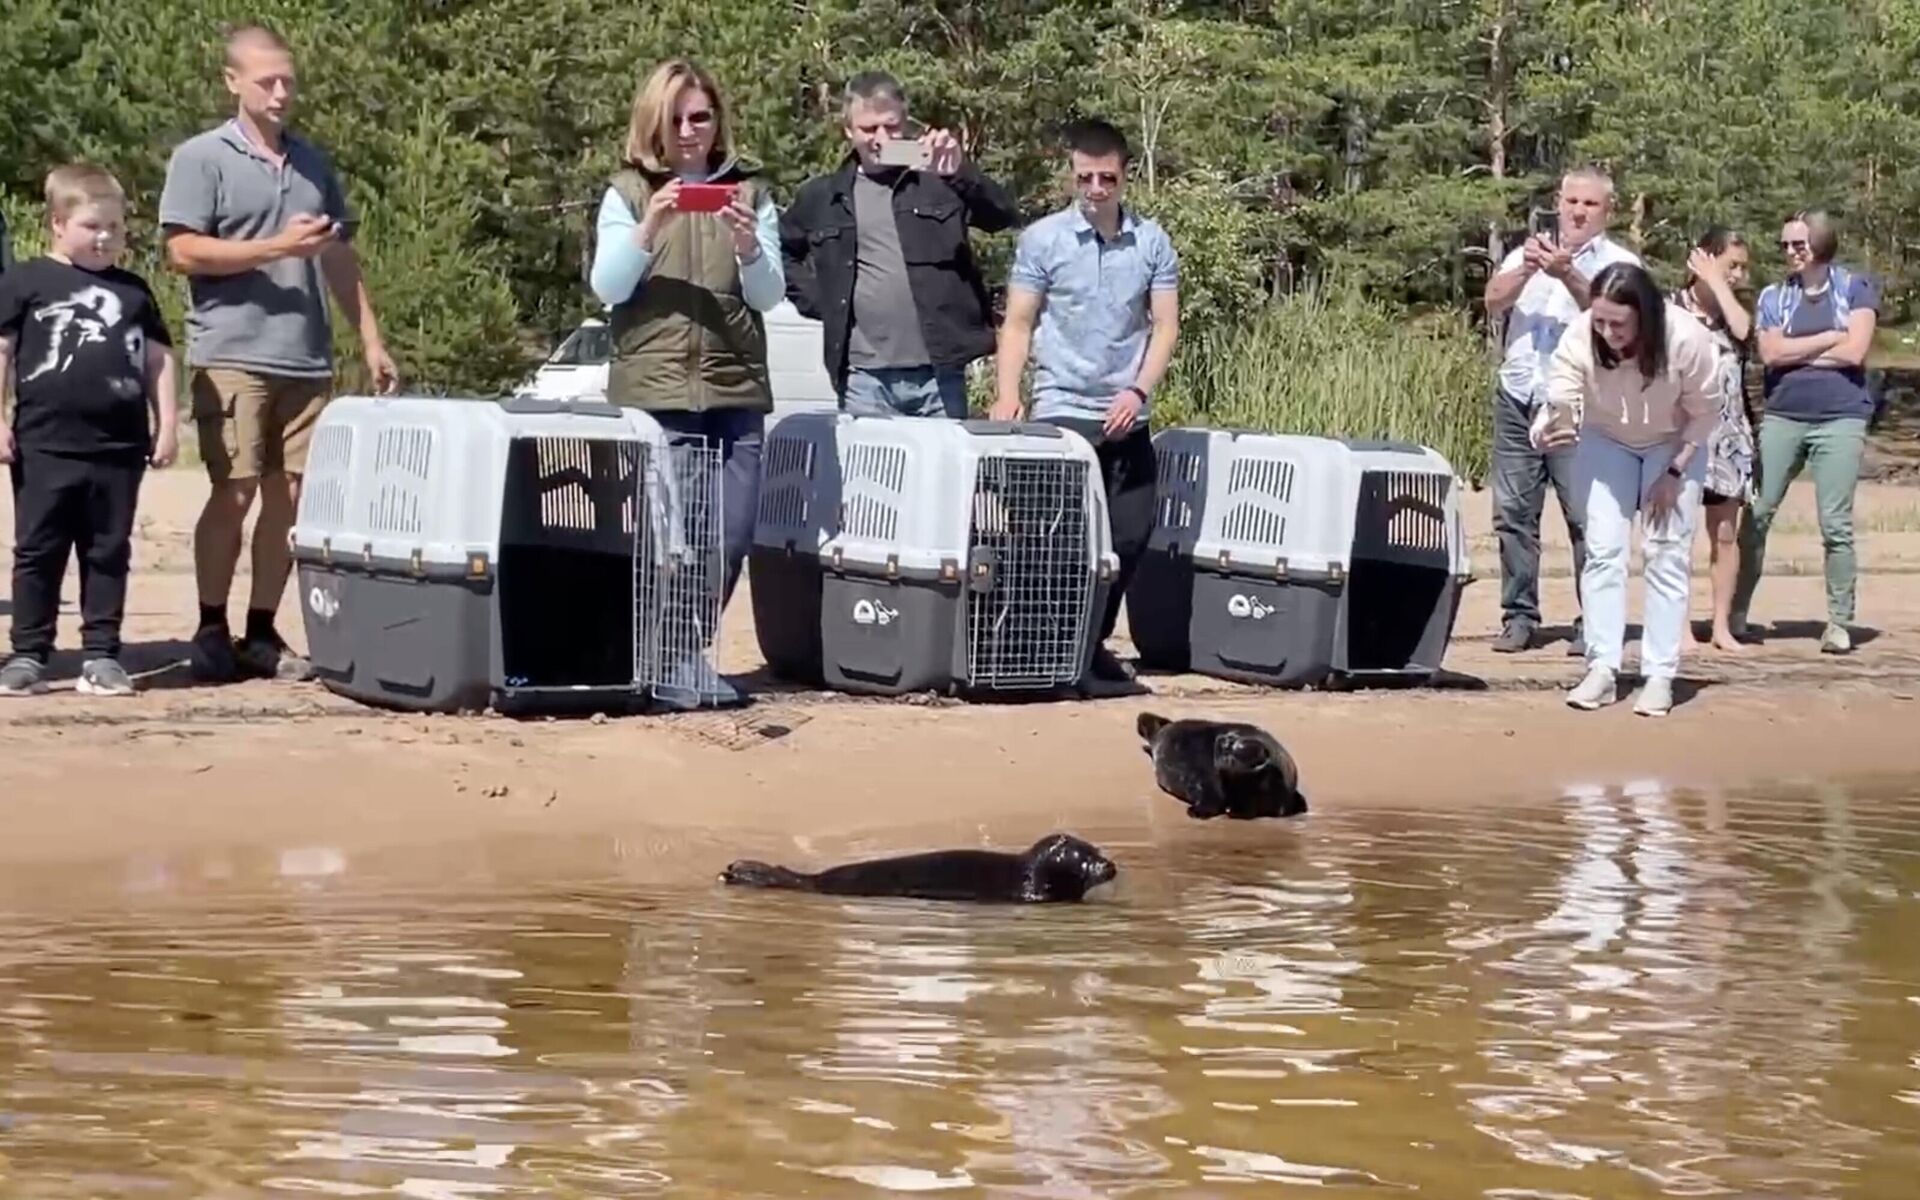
pixel 687 288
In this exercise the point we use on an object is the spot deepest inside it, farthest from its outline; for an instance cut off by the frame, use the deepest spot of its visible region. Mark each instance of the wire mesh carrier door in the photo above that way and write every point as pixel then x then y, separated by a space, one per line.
pixel 1029 578
pixel 679 573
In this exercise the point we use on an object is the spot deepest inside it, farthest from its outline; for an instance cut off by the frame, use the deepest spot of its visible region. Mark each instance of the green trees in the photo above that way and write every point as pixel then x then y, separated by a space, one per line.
pixel 1391 144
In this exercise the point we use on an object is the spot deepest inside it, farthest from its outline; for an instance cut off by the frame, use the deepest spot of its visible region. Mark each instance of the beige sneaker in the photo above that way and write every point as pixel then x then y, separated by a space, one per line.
pixel 1836 640
pixel 1656 698
pixel 1597 690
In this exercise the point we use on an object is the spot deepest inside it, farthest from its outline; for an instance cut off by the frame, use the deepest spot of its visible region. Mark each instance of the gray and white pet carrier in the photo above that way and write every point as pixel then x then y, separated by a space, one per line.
pixel 895 556
pixel 525 554
pixel 1292 560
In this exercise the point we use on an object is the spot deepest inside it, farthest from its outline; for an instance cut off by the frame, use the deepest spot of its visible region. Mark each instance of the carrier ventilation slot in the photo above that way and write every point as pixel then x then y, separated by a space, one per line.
pixel 402 457
pixel 1403 515
pixel 1028 626
pixel 1261 490
pixel 329 465
pixel 783 498
pixel 873 469
pixel 1178 477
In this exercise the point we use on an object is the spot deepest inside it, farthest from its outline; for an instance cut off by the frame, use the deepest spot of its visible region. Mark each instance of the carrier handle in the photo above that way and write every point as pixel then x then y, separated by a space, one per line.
pixel 533 405
pixel 1011 428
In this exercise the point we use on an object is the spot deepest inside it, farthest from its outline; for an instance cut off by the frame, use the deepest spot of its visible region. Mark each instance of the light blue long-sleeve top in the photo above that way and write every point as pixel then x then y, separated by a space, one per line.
pixel 620 265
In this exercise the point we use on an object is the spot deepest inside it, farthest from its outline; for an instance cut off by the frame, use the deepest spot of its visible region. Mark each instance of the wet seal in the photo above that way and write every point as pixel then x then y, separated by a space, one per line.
pixel 1057 868
pixel 1222 768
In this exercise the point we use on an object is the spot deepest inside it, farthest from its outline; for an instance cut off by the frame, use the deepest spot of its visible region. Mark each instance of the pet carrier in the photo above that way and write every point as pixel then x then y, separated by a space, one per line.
pixel 1294 560
pixel 524 554
pixel 895 556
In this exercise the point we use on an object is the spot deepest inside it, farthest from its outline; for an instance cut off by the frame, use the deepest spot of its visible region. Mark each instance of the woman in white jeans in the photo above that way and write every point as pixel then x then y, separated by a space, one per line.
pixel 1634 381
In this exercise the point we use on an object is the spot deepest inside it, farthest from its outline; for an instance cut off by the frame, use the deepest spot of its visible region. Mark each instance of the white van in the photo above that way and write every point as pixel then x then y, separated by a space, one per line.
pixel 577 368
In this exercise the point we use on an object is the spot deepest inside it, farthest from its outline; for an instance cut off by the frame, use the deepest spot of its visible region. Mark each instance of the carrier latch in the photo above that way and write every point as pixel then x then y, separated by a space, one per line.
pixel 980 564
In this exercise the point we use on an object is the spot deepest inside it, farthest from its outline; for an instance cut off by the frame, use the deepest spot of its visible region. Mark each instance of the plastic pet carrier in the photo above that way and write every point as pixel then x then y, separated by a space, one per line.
pixel 524 554
pixel 1294 560
pixel 898 556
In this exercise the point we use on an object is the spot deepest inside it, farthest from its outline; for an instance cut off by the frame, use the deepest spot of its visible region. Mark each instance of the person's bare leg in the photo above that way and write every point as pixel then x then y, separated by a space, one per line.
pixel 216 539
pixel 272 560
pixel 1723 532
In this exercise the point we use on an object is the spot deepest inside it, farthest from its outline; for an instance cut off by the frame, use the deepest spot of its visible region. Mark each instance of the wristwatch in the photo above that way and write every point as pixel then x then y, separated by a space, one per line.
pixel 1676 472
pixel 1136 391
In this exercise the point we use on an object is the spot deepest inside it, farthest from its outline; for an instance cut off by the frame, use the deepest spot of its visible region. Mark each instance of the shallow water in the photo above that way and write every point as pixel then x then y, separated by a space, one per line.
pixel 1613 994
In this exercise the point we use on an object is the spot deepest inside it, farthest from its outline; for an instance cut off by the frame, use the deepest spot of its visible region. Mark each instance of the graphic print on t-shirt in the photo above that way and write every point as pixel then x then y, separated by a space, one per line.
pixel 81 320
pixel 80 356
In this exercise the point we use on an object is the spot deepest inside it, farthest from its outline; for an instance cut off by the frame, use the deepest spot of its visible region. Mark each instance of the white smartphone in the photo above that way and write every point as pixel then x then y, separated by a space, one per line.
pixel 906 152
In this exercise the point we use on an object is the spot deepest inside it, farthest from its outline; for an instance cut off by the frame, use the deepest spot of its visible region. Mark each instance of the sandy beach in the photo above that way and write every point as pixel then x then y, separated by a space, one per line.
pixel 272 765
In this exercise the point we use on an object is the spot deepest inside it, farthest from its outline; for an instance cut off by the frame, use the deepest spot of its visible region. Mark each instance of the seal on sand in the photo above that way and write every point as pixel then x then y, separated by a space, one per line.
pixel 1222 767
pixel 1057 867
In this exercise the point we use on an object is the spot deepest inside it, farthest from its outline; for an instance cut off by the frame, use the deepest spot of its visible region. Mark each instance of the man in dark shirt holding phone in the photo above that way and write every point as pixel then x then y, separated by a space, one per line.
pixel 878 252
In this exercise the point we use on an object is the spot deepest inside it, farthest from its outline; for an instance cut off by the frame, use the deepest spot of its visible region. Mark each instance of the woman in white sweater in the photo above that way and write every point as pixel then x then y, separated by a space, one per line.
pixel 1633 381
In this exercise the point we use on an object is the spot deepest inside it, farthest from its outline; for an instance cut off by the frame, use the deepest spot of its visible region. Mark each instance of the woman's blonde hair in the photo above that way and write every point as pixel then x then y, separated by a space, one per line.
pixel 650 131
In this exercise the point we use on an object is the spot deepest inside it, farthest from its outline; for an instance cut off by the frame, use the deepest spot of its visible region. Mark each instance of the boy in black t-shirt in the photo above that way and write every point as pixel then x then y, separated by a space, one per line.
pixel 90 358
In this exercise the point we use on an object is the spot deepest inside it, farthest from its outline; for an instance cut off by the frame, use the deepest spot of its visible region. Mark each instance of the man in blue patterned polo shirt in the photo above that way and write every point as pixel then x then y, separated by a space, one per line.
pixel 1094 295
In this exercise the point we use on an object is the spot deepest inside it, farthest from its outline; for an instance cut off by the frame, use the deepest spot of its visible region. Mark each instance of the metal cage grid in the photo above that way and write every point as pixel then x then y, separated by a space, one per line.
pixel 679 569
pixel 1030 573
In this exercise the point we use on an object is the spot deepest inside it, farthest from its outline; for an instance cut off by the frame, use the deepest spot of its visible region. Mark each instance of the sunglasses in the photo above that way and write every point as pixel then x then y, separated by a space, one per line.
pixel 1787 247
pixel 1108 178
pixel 699 120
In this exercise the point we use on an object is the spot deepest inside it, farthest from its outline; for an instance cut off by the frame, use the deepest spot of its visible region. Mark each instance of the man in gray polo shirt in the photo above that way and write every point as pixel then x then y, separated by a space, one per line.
pixel 256 219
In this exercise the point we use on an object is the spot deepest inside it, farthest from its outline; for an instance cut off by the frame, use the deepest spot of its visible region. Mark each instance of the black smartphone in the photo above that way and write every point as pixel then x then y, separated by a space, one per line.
pixel 1545 223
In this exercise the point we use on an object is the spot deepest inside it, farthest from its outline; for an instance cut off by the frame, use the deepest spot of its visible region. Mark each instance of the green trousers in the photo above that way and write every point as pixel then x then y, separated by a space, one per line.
pixel 1830 451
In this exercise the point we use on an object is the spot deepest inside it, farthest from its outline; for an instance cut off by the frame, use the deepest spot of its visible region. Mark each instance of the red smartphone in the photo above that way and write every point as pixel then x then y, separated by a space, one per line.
pixel 705 197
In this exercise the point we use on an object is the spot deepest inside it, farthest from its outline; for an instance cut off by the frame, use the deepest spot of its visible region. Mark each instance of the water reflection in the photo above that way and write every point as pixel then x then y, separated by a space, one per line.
pixel 1619 992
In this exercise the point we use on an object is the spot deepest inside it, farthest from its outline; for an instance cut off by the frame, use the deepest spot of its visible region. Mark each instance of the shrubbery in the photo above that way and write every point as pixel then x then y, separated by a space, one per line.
pixel 1335 363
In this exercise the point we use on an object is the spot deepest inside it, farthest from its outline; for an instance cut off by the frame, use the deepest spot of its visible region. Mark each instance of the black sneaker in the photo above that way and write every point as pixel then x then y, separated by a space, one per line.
pixel 1107 667
pixel 1514 637
pixel 269 658
pixel 213 659
pixel 23 676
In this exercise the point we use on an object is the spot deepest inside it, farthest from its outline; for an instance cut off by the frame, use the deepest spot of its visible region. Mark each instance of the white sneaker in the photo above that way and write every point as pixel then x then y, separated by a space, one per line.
pixel 103 677
pixel 1836 640
pixel 1656 698
pixel 1597 690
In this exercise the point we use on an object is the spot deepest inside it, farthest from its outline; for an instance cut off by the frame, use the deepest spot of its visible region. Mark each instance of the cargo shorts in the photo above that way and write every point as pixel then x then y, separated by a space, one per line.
pixel 252 424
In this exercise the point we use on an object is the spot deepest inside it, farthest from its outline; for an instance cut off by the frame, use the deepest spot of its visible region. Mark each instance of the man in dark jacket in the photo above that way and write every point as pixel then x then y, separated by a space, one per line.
pixel 878 252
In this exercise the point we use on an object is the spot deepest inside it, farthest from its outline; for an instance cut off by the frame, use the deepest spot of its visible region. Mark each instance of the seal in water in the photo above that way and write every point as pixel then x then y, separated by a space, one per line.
pixel 1057 867
pixel 1222 767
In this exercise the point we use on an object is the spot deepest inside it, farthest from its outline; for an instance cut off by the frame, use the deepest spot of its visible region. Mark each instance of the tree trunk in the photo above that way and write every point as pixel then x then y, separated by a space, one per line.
pixel 1499 85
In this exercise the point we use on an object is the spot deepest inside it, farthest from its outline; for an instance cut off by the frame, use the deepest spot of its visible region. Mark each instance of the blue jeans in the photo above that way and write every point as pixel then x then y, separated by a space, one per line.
pixel 1521 476
pixel 906 392
pixel 736 433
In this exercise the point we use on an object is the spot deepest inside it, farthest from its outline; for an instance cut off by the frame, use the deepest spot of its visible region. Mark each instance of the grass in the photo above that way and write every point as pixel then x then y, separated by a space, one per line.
pixel 1334 363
